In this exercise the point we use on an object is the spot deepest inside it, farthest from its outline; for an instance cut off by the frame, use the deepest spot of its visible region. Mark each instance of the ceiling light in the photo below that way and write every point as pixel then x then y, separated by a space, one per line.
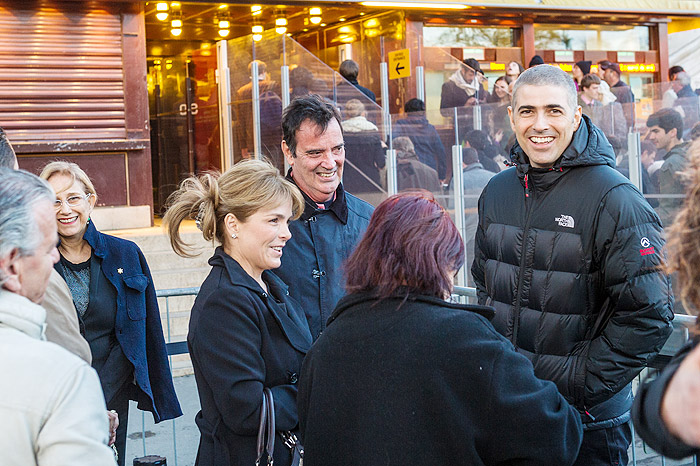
pixel 223 7
pixel 224 32
pixel 281 22
pixel 256 10
pixel 315 11
pixel 280 29
pixel 341 19
pixel 345 29
pixel 176 23
pixel 257 37
pixel 161 6
pixel 315 19
pixel 323 24
pixel 372 23
pixel 257 29
pixel 162 15
pixel 175 5
pixel 224 24
pixel 432 6
pixel 176 31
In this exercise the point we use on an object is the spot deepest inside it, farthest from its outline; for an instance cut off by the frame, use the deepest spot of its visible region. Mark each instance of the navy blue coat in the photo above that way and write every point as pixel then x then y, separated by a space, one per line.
pixel 312 262
pixel 137 326
pixel 241 340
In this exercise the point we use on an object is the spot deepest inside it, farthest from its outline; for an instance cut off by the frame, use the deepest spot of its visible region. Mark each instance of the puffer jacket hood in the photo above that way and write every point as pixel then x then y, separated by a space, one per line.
pixel 589 146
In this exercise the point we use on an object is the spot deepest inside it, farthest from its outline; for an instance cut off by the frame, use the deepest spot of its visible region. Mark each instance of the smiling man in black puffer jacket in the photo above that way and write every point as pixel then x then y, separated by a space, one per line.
pixel 568 253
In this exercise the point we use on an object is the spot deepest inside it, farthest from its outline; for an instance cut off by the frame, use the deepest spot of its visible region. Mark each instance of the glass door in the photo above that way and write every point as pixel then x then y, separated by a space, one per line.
pixel 184 116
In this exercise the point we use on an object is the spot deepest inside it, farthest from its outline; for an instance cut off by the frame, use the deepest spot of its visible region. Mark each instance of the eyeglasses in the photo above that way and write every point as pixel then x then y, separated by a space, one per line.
pixel 72 201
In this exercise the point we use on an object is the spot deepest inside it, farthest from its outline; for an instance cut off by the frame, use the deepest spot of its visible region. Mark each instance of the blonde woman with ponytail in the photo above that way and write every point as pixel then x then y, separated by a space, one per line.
pixel 245 332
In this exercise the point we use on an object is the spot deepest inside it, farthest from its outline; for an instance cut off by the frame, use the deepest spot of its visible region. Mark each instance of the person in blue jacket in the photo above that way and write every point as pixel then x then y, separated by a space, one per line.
pixel 116 302
pixel 333 220
pixel 246 333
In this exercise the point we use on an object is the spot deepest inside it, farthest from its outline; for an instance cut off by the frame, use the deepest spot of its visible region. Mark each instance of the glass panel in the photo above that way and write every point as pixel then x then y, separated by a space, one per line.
pixel 184 119
pixel 663 156
pixel 364 173
pixel 591 37
pixel 464 36
pixel 268 55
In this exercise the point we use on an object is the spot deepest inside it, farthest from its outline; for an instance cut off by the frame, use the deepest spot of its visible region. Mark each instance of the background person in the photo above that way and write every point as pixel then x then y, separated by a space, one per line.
pixel 245 332
pixel 568 252
pixel 116 302
pixel 411 173
pixel 51 406
pixel 333 220
pixel 349 69
pixel 364 151
pixel 665 132
pixel 402 377
pixel 666 409
pixel 423 135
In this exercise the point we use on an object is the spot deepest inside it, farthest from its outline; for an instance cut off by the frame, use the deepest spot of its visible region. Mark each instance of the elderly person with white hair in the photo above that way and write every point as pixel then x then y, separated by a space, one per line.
pixel 114 295
pixel 51 406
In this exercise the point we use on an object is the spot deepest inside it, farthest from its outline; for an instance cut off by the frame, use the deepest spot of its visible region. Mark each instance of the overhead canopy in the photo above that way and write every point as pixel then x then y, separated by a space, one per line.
pixel 676 7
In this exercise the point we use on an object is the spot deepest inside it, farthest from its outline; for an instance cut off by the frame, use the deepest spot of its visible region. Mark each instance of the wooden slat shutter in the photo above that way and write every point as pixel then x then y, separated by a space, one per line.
pixel 61 73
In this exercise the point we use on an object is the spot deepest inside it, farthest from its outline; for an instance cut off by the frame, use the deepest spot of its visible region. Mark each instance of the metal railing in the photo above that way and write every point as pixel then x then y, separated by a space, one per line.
pixel 681 326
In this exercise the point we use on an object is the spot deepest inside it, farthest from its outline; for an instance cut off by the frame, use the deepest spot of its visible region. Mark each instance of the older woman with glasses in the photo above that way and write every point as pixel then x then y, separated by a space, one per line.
pixel 116 302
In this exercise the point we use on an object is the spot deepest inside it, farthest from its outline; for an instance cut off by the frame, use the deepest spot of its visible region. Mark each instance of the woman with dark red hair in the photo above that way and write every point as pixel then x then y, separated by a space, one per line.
pixel 403 377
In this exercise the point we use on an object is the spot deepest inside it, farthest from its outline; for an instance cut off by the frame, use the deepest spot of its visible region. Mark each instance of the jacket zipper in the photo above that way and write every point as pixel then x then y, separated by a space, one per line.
pixel 516 310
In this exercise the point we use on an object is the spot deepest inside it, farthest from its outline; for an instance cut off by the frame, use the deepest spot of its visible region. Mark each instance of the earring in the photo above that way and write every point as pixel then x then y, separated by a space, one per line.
pixel 234 236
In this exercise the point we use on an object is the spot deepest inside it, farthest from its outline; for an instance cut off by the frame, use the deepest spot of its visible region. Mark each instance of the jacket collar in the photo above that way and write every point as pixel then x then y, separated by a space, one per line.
pixel 95 239
pixel 292 321
pixel 680 149
pixel 339 207
pixel 405 294
pixel 21 314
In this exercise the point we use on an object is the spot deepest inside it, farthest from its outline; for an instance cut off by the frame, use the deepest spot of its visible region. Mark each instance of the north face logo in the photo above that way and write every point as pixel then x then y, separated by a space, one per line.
pixel 565 221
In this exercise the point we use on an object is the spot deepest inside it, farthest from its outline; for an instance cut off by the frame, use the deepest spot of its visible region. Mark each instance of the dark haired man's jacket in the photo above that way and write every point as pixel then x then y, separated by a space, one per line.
pixel 312 261
pixel 569 257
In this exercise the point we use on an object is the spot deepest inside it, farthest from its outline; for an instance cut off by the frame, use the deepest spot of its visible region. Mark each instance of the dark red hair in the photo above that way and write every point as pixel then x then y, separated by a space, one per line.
pixel 410 242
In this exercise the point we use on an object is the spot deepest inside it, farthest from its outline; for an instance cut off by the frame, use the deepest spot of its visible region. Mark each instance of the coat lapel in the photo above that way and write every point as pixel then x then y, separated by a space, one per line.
pixel 287 316
pixel 293 325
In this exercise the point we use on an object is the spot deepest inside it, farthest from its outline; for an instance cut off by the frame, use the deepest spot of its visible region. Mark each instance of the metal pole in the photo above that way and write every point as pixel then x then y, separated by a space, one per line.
pixel 420 83
pixel 223 79
pixel 634 145
pixel 392 182
pixel 456 127
pixel 257 140
pixel 384 74
pixel 286 90
pixel 477 116
pixel 420 72
pixel 457 183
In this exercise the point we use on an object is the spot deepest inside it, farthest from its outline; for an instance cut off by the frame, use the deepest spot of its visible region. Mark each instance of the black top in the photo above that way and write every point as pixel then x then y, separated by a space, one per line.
pixel 97 324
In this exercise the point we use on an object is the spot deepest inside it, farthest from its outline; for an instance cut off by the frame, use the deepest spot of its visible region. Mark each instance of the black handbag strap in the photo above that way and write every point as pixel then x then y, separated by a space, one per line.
pixel 270 447
pixel 261 430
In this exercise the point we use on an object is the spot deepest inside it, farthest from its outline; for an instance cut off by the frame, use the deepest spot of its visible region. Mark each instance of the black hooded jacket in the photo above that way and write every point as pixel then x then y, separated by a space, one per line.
pixel 569 257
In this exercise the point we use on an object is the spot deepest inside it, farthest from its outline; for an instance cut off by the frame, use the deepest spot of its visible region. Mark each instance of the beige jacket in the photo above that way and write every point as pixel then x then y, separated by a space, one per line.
pixel 52 411
pixel 62 319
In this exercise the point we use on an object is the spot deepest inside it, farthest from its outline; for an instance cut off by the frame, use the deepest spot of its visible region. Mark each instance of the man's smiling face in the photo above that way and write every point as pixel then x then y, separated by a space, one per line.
pixel 544 122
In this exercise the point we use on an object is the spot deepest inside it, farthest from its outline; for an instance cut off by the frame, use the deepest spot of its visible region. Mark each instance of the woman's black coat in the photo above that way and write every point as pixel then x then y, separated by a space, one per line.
pixel 426 382
pixel 242 339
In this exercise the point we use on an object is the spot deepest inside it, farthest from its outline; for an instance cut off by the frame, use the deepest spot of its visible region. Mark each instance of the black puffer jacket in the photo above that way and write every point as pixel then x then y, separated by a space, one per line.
pixel 569 258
